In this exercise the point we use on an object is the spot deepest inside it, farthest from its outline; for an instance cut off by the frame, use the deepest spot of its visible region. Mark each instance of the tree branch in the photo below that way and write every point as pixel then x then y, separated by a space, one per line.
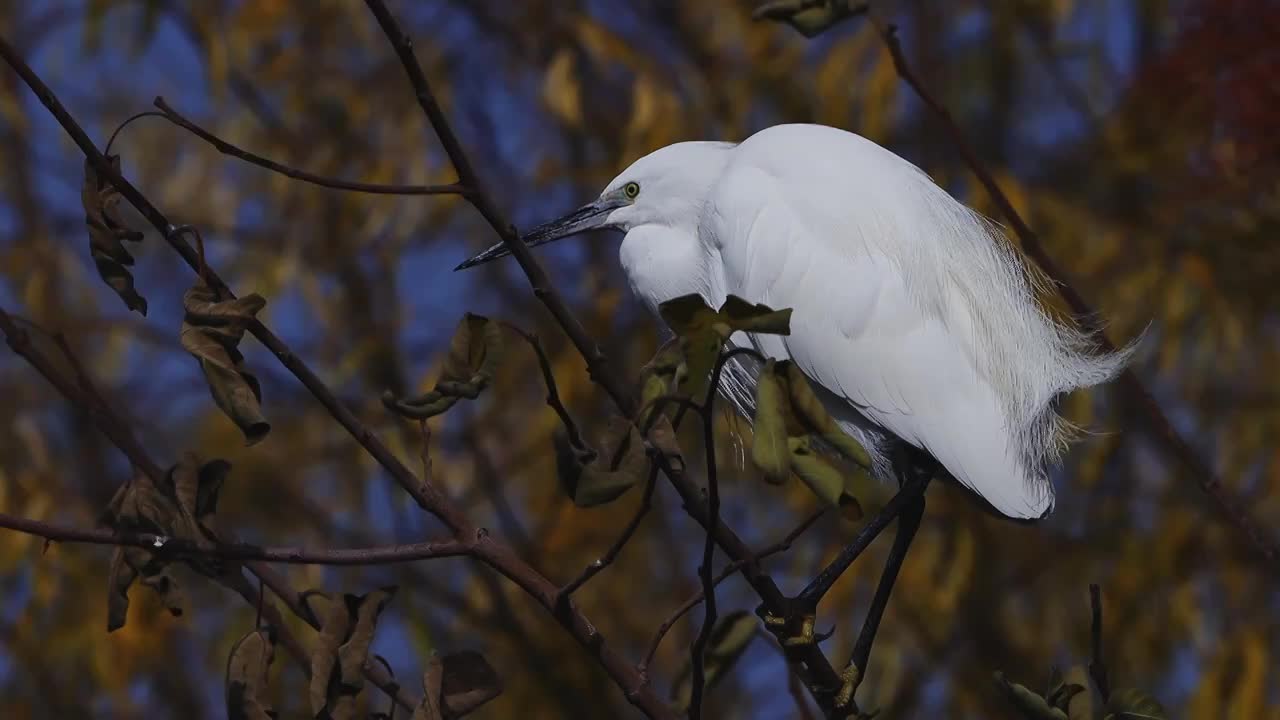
pixel 81 393
pixel 181 548
pixel 822 676
pixel 781 546
pixel 226 148
pixel 428 496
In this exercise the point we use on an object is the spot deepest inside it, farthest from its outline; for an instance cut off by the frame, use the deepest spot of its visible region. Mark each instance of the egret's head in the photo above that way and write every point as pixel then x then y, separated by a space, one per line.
pixel 665 187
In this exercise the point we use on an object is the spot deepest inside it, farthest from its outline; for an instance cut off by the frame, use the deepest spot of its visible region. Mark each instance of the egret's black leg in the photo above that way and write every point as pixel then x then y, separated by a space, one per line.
pixel 908 523
pixel 813 592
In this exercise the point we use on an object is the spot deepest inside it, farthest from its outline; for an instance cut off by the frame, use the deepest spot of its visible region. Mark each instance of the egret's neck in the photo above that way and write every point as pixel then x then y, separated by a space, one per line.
pixel 663 263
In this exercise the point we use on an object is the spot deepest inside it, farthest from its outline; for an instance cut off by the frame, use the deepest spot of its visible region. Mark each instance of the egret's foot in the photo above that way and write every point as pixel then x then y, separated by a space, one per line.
pixel 779 625
pixel 851 678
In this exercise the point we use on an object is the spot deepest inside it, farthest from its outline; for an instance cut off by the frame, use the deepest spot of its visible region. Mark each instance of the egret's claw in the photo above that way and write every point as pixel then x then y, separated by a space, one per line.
pixel 778 625
pixel 806 633
pixel 850 678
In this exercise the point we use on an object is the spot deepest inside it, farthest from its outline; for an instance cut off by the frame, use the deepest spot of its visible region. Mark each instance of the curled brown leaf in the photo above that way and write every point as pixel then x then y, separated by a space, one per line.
pixel 211 331
pixel 107 230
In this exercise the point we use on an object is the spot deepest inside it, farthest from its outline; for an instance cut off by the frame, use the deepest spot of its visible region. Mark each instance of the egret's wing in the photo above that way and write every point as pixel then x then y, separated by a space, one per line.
pixel 857 332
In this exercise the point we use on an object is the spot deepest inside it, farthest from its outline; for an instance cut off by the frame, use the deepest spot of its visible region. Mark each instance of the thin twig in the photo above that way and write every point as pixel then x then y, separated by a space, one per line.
pixel 226 148
pixel 709 546
pixel 590 571
pixel 821 676
pixel 1097 669
pixel 781 546
pixel 1236 514
pixel 137 116
pixel 549 378
pixel 430 497
pixel 81 392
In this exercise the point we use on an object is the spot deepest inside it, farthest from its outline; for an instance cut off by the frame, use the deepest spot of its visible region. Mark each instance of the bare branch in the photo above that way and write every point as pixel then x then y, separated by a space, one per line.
pixel 781 546
pixel 179 547
pixel 168 113
pixel 429 496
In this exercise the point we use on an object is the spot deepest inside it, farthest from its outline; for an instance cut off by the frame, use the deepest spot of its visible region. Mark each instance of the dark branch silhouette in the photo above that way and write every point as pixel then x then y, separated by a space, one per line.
pixel 168 113
pixel 178 548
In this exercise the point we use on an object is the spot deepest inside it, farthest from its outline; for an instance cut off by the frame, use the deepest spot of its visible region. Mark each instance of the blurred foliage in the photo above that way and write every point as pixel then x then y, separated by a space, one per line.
pixel 1136 137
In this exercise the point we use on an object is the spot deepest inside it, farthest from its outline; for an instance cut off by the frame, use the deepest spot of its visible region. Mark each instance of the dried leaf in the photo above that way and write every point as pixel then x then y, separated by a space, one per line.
pixel 353 653
pixel 593 477
pixel 467 682
pixel 703 331
pixel 769 447
pixel 808 17
pixel 474 354
pixel 743 316
pixel 1031 705
pixel 120 577
pixel 181 507
pixel 1079 705
pixel 338 659
pixel 211 331
pixel 107 229
pixel 822 478
pixel 246 677
pixel 334 626
pixel 813 413
pixel 729 639
pixel 432 678
pixel 1133 704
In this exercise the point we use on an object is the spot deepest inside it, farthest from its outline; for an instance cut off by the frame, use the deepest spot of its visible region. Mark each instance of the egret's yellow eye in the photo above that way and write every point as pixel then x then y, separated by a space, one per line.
pixel 631 190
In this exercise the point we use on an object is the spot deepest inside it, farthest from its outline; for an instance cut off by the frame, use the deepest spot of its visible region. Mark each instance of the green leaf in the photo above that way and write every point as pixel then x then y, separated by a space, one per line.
pixel 474 353
pixel 729 639
pixel 703 331
pixel 769 446
pixel 592 477
pixel 246 677
pixel 1031 705
pixel 1134 704
pixel 211 331
pixel 809 17
pixel 107 229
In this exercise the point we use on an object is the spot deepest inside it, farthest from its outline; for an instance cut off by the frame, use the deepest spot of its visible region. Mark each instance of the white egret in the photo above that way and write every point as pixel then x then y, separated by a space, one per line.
pixel 912 316
pixel 910 312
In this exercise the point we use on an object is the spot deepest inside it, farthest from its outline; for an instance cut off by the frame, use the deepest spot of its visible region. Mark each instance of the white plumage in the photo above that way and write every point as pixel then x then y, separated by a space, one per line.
pixel 912 315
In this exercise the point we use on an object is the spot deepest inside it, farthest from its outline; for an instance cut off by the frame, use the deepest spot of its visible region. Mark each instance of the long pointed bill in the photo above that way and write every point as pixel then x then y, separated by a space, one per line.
pixel 587 217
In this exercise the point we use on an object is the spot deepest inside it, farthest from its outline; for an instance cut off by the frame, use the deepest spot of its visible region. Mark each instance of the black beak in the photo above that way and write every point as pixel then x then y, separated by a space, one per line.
pixel 587 217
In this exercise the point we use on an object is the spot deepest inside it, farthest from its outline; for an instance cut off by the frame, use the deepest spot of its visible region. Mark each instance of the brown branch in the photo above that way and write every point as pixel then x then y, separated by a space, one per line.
pixel 497 555
pixel 81 392
pixel 1209 482
pixel 822 677
pixel 168 113
pixel 180 548
pixel 781 546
